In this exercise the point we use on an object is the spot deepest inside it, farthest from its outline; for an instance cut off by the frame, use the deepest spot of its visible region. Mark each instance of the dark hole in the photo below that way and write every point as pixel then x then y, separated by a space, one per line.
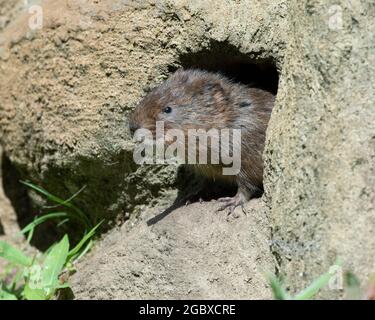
pixel 194 188
pixel 15 191
pixel 226 59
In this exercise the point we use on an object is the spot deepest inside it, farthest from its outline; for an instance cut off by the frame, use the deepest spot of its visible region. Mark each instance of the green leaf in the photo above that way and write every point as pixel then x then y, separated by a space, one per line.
pixel 34 294
pixel 34 289
pixel 54 264
pixel 4 295
pixel 14 255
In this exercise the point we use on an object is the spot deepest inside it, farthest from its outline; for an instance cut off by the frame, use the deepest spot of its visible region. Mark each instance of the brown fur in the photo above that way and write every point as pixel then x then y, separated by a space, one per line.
pixel 204 100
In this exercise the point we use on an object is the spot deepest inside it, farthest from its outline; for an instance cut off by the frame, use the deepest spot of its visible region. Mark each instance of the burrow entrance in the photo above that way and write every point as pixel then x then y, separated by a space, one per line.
pixel 226 59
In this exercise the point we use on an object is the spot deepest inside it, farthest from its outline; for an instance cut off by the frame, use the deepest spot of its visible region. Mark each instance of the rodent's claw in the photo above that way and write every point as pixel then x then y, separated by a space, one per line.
pixel 189 201
pixel 231 203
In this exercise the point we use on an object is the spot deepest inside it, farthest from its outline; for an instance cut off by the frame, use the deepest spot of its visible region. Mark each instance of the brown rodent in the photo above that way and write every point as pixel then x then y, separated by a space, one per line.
pixel 195 99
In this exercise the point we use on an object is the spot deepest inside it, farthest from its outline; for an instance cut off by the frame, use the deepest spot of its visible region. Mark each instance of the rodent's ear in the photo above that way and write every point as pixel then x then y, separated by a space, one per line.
pixel 182 75
pixel 215 91
pixel 213 87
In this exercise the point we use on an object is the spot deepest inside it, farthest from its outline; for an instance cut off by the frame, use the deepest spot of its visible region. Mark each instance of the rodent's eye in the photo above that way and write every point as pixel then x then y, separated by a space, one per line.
pixel 167 110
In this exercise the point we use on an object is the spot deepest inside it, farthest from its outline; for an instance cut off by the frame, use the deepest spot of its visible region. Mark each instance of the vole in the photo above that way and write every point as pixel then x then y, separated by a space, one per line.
pixel 196 99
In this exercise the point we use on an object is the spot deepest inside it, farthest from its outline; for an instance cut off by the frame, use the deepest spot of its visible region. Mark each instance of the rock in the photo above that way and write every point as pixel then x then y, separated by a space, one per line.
pixel 66 91
pixel 320 168
pixel 8 217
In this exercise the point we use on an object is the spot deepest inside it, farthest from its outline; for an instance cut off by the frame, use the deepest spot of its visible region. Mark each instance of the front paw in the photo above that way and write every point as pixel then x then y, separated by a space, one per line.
pixel 231 203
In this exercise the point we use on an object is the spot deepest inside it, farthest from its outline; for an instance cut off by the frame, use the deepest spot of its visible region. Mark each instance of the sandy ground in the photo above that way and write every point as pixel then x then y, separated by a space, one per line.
pixel 193 252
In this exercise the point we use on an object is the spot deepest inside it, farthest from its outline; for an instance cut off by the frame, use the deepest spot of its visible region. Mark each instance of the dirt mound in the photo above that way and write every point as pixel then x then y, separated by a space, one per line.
pixel 191 253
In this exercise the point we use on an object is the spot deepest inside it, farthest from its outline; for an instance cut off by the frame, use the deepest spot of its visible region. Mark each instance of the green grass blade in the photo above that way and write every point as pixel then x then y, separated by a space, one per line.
pixel 87 237
pixel 54 264
pixel 352 287
pixel 84 251
pixel 314 287
pixel 44 192
pixel 80 215
pixel 30 236
pixel 69 200
pixel 62 286
pixel 279 292
pixel 43 219
pixel 61 223
pixel 319 283
pixel 14 255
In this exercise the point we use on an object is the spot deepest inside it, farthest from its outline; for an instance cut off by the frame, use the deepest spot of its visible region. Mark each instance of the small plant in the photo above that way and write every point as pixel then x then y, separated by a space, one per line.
pixel 351 286
pixel 310 292
pixel 39 277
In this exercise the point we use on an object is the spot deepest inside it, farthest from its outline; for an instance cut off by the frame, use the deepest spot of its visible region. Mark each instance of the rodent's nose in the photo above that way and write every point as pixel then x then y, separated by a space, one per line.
pixel 133 127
